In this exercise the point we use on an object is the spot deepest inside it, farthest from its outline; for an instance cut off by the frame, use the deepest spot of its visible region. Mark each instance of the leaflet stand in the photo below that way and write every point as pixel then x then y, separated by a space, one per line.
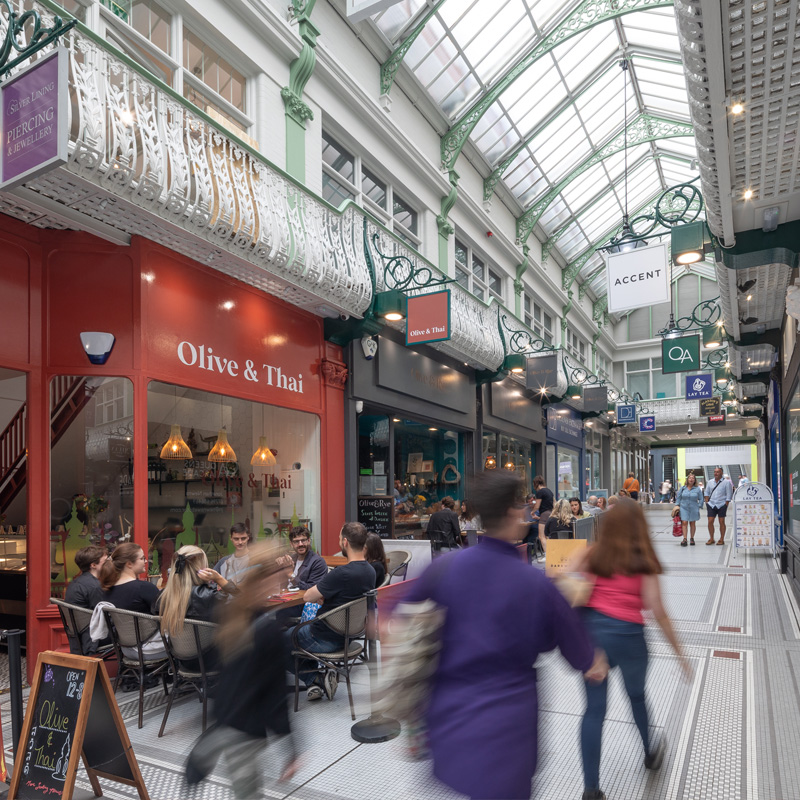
pixel 753 518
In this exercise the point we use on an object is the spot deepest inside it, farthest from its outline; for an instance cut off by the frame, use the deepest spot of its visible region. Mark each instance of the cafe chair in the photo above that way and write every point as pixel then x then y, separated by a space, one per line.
pixel 440 539
pixel 191 663
pixel 350 622
pixel 130 631
pixel 398 564
pixel 75 620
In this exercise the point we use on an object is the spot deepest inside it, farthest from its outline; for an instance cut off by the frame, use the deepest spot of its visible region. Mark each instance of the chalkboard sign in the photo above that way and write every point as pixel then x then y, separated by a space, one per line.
pixel 376 514
pixel 72 713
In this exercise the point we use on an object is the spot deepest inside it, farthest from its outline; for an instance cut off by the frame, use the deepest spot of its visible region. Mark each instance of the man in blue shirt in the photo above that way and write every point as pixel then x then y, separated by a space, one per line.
pixel 718 493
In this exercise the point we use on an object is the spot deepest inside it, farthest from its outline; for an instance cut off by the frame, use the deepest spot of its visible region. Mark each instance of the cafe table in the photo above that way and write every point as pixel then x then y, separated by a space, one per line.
pixel 335 561
pixel 286 600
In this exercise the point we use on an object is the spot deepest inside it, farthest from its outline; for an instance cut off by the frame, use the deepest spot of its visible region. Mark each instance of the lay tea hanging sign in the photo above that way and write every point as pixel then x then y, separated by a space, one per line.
pixel 428 318
pixel 34 120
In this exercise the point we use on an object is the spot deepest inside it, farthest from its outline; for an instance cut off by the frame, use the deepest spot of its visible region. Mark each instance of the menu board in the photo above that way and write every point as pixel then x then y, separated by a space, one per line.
pixel 375 514
pixel 754 524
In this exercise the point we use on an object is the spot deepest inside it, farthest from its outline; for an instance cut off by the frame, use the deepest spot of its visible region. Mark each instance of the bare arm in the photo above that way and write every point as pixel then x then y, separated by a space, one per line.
pixel 312 595
pixel 651 597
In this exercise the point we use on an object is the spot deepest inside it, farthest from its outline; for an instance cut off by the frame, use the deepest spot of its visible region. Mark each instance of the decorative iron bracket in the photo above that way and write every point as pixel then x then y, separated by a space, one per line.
pixel 703 314
pixel 400 272
pixel 520 341
pixel 38 38
pixel 577 375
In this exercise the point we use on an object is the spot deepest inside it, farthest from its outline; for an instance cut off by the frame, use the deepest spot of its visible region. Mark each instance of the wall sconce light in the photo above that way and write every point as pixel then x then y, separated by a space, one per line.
pixel 574 392
pixel 721 376
pixel 515 363
pixel 391 305
pixel 97 345
pixel 689 243
pixel 712 336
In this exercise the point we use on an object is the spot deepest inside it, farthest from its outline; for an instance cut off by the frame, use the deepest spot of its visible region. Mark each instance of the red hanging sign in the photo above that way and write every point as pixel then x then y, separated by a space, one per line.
pixel 428 318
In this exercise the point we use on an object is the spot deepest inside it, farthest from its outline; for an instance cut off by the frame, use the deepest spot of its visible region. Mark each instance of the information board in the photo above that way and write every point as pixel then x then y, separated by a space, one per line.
pixel 559 552
pixel 376 514
pixel 72 714
pixel 754 522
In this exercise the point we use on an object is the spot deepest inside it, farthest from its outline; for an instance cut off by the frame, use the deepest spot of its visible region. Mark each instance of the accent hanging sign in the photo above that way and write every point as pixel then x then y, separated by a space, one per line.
pixel 34 120
pixel 711 406
pixel 680 355
pixel 638 278
pixel 428 318
pixel 699 387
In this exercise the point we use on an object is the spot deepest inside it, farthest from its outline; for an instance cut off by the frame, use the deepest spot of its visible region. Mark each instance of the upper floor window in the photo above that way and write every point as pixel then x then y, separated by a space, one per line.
pixel 603 366
pixel 537 319
pixel 644 377
pixel 346 177
pixel 475 275
pixel 576 346
pixel 206 65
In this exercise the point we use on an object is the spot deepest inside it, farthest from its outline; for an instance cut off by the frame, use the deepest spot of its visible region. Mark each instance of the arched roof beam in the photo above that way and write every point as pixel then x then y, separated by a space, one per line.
pixel 583 17
pixel 550 243
pixel 644 128
pixel 497 172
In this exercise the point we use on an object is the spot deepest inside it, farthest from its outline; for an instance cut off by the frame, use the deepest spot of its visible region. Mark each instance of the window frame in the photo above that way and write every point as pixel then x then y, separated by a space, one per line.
pixel 538 326
pixel 489 270
pixel 576 346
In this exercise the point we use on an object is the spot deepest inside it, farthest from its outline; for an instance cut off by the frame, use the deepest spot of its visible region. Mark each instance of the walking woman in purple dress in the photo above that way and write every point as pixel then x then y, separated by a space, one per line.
pixel 501 614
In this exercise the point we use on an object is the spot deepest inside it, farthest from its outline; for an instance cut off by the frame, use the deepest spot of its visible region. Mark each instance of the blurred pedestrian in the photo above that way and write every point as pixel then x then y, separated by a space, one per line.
pixel 251 689
pixel 483 709
pixel 543 507
pixel 625 571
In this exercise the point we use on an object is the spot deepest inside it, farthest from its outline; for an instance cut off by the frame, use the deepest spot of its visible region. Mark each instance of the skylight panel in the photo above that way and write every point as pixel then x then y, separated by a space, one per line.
pixel 585 186
pixel 433 36
pixel 394 19
pixel 582 55
pixel 555 216
pixel 573 245
pixel 545 11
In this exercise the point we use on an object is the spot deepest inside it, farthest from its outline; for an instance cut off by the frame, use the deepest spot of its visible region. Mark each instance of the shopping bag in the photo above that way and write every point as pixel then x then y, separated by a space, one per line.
pixel 677 528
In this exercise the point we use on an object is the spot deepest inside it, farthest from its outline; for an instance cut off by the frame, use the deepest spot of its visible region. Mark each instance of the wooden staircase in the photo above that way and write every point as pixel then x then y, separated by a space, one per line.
pixel 68 396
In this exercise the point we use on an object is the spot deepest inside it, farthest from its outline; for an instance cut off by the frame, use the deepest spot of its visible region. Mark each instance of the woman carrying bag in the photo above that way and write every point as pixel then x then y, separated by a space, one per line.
pixel 690 500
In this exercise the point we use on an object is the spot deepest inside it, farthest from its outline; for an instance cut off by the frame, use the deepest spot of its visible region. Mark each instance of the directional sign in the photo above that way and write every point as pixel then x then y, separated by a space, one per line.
pixel 647 424
pixel 626 413
pixel 680 355
pixel 698 387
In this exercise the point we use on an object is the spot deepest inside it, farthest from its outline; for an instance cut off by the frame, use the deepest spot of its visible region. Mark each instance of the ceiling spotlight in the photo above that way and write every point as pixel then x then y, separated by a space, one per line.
pixel 737 108
pixel 749 297
pixel 748 193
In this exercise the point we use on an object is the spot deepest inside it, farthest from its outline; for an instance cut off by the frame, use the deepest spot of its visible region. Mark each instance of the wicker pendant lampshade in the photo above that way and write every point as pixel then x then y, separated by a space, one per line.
pixel 263 457
pixel 175 447
pixel 222 452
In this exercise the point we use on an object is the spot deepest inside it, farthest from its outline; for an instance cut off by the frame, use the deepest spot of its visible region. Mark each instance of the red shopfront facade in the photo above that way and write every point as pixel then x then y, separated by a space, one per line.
pixel 192 347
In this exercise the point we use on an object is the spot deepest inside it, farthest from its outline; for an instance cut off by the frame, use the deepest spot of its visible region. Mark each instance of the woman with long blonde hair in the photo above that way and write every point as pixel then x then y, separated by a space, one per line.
pixel 559 526
pixel 625 570
pixel 251 692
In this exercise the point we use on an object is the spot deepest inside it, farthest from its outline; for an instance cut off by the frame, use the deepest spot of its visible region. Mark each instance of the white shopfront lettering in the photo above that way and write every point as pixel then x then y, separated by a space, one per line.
pixel 204 357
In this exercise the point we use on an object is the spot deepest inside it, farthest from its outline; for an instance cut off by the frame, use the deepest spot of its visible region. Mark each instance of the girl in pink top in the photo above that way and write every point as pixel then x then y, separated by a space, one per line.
pixel 625 570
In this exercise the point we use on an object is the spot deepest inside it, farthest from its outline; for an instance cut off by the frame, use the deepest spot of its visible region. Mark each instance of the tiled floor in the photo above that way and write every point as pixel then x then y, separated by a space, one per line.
pixel 733 731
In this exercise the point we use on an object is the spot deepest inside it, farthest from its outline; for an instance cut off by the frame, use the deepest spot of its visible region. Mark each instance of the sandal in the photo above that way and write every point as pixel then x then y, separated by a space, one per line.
pixel 710 541
pixel 720 542
pixel 683 543
pixel 692 542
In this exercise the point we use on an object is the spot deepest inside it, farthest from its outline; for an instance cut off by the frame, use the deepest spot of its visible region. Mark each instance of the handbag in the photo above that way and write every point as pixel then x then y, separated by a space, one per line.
pixel 677 527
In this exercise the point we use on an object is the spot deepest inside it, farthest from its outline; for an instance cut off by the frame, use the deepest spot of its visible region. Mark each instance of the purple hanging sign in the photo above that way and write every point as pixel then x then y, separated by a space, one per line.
pixel 34 119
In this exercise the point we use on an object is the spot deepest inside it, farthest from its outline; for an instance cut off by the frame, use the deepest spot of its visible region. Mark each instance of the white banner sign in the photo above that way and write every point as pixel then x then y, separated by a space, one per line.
pixel 638 278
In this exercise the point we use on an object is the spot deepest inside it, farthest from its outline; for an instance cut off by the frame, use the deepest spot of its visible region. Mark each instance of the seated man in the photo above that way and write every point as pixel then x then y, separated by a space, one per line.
pixel 308 568
pixel 343 584
pixel 594 509
pixel 443 527
pixel 84 591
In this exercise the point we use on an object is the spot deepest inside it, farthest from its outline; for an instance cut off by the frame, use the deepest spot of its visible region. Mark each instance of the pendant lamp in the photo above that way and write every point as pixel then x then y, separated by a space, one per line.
pixel 490 463
pixel 263 456
pixel 175 447
pixel 222 452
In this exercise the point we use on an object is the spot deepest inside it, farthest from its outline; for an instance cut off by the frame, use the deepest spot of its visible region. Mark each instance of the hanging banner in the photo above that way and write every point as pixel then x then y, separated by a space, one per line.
pixel 428 318
pixel 680 355
pixel 699 387
pixel 34 120
pixel 716 420
pixel 626 413
pixel 647 424
pixel 638 278
pixel 541 373
pixel 595 398
pixel 711 406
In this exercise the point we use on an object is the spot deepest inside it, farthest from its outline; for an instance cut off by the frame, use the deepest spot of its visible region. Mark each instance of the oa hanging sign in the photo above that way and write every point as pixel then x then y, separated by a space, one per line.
pixel 680 355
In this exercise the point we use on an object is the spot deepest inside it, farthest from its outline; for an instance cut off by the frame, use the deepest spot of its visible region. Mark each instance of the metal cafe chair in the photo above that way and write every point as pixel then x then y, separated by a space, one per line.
pixel 75 620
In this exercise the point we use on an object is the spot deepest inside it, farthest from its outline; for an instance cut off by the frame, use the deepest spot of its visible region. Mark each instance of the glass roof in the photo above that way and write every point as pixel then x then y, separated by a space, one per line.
pixel 564 107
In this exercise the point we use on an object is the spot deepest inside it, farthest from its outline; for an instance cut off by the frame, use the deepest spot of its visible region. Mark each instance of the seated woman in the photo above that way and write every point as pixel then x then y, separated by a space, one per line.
pixel 577 508
pixel 559 526
pixel 468 520
pixel 376 556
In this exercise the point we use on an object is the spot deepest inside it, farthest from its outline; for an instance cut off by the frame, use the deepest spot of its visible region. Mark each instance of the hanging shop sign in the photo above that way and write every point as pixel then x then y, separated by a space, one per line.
pixel 541 373
pixel 711 406
pixel 638 278
pixel 754 523
pixel 428 318
pixel 647 424
pixel 626 413
pixel 680 355
pixel 716 420
pixel 34 120
pixel 595 398
pixel 699 387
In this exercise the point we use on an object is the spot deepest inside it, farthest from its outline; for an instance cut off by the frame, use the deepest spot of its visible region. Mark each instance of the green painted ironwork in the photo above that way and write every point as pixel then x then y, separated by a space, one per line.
pixel 446 229
pixel 518 285
pixel 392 64
pixel 644 128
pixel 705 313
pixel 564 311
pixel 520 340
pixel 26 35
pixel 578 375
pixel 584 16
pixel 600 308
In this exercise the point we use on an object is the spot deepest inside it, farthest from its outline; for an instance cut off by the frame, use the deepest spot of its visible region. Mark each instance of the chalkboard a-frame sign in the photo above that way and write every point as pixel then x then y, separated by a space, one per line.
pixel 72 713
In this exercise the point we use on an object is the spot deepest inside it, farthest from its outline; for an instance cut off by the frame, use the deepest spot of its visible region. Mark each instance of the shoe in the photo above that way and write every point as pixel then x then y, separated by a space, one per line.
pixel 655 757
pixel 683 543
pixel 720 542
pixel 593 794
pixel 331 683
pixel 314 692
pixel 692 542
pixel 540 559
pixel 710 541
pixel 193 773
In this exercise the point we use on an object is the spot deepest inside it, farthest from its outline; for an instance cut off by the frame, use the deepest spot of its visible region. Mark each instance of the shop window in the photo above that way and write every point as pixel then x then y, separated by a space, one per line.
pixel 91 469
pixel 196 500
pixel 429 465
pixel 537 319
pixel 373 456
pixel 475 275
pixel 568 473
pixel 346 177
pixel 515 456
pixel 489 450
